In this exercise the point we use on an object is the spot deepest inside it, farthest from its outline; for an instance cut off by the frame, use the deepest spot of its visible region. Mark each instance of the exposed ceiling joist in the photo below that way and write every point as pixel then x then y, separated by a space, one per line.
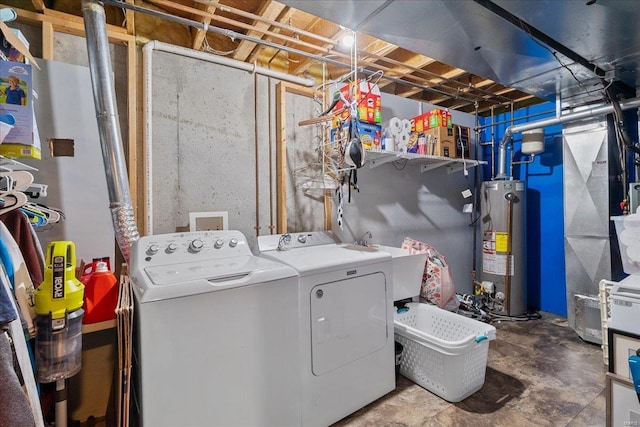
pixel 269 10
pixel 198 35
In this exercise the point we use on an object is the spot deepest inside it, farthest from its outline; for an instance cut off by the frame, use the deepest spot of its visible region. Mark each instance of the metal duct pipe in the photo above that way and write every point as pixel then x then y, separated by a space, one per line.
pixel 569 117
pixel 122 214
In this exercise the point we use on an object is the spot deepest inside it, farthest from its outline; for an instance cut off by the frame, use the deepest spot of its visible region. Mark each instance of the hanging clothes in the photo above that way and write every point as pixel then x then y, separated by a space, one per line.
pixel 22 285
pixel 19 407
pixel 22 232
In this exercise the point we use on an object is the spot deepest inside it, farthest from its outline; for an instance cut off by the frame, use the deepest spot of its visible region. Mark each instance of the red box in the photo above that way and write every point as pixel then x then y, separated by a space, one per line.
pixel 368 97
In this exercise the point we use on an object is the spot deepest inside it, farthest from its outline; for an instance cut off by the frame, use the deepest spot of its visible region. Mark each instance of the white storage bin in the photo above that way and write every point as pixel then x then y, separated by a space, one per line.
pixel 444 352
pixel 628 232
pixel 624 304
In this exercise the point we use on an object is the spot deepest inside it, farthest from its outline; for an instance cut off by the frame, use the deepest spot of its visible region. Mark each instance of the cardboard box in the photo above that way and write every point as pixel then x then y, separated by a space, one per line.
pixel 445 142
pixel 431 119
pixel 368 97
pixel 16 107
pixel 420 123
pixel 462 136
pixel 373 130
pixel 440 118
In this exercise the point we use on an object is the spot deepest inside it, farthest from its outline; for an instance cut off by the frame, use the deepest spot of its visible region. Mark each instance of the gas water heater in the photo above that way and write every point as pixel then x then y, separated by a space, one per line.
pixel 503 272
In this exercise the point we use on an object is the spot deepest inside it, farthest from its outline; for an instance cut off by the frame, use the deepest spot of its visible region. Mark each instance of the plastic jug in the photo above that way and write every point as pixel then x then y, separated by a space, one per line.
pixel 91 267
pixel 100 295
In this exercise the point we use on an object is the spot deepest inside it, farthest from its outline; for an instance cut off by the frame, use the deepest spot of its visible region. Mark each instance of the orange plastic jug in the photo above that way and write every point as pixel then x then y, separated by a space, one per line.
pixel 100 295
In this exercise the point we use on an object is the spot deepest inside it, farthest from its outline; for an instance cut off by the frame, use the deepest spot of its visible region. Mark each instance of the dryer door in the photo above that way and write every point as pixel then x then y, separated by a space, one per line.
pixel 348 321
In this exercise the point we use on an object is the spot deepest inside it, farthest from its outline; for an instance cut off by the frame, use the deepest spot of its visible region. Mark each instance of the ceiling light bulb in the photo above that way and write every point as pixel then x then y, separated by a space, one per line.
pixel 348 40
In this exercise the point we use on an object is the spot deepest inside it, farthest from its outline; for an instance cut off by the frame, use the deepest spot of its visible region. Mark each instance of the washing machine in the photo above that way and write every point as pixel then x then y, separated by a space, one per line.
pixel 215 333
pixel 346 322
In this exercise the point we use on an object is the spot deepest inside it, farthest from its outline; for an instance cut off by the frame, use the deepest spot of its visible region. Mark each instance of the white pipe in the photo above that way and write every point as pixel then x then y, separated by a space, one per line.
pixel 569 117
pixel 203 56
pixel 196 54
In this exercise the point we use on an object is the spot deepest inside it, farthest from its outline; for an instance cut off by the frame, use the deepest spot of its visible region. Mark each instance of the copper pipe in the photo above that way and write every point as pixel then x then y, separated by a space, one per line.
pixel 507 277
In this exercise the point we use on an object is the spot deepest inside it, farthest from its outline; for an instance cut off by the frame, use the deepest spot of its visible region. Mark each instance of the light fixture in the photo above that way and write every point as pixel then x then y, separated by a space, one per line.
pixel 347 40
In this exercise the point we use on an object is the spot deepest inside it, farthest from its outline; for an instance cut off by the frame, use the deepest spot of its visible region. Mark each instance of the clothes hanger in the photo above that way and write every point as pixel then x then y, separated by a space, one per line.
pixel 36 217
pixel 51 215
pixel 12 200
pixel 17 180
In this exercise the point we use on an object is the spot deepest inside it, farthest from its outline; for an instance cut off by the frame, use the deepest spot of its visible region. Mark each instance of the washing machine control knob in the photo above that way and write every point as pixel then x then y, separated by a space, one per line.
pixel 218 244
pixel 153 249
pixel 172 247
pixel 302 238
pixel 196 245
pixel 233 242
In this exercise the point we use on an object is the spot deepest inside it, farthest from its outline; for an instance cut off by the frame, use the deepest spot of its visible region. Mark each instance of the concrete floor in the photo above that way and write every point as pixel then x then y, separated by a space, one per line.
pixel 539 373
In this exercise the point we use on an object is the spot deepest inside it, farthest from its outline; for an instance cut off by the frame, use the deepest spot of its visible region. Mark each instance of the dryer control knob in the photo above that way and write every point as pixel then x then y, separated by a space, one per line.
pixel 302 238
pixel 153 249
pixel 218 244
pixel 196 245
pixel 233 242
pixel 172 247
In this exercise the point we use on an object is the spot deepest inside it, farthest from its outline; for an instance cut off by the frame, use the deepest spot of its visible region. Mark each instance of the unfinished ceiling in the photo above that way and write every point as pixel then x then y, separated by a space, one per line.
pixel 459 54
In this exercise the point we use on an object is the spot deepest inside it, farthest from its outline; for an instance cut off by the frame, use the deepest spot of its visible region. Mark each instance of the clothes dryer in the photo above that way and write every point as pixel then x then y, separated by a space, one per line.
pixel 216 333
pixel 345 322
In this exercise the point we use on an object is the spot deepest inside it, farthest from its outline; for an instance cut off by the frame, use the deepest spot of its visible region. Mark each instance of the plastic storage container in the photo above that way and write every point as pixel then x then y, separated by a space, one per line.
pixel 628 231
pixel 624 304
pixel 58 350
pixel 444 352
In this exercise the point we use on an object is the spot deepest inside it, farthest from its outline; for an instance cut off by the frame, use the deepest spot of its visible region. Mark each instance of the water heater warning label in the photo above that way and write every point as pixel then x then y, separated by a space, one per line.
pixel 494 262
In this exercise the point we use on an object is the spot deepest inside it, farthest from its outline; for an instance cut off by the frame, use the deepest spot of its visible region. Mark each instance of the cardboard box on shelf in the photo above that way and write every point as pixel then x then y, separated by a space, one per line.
pixel 440 118
pixel 445 142
pixel 431 119
pixel 462 135
pixel 420 123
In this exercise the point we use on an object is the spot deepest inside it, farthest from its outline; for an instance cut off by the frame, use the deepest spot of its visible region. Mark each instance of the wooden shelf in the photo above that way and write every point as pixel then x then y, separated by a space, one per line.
pixel 98 326
pixel 426 163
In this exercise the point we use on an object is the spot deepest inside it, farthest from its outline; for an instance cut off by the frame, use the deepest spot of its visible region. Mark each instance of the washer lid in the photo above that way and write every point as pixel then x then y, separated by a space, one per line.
pixel 314 259
pixel 189 278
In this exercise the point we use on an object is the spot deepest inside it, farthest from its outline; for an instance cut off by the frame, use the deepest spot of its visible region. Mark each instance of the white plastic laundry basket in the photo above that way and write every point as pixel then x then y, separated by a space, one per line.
pixel 444 352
